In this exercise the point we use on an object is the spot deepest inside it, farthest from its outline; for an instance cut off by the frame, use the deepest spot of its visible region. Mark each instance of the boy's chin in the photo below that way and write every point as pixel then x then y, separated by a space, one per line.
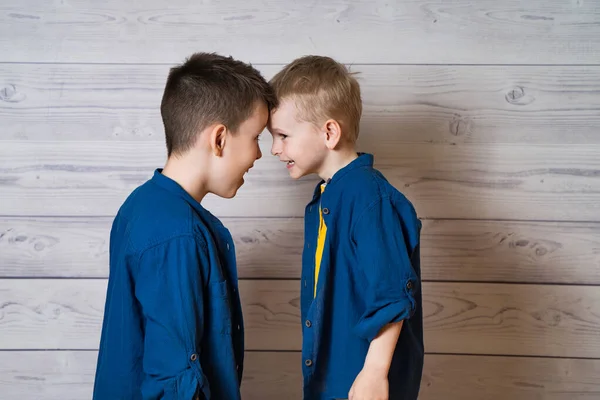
pixel 229 193
pixel 296 174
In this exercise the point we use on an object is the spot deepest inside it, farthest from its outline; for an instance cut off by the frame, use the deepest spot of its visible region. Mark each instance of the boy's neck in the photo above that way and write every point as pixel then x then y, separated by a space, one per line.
pixel 186 173
pixel 337 160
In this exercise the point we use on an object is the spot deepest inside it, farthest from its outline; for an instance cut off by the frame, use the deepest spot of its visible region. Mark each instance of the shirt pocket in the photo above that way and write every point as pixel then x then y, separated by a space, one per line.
pixel 219 308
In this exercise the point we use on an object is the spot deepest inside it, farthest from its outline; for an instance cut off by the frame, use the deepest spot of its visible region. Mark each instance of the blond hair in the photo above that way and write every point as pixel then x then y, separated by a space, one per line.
pixel 322 88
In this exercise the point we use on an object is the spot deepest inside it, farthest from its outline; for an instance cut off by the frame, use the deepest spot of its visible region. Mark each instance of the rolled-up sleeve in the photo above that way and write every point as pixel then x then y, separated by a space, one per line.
pixel 384 252
pixel 170 289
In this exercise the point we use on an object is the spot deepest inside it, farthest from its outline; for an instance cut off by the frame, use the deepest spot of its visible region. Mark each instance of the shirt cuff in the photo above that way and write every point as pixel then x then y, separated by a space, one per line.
pixel 373 321
pixel 187 386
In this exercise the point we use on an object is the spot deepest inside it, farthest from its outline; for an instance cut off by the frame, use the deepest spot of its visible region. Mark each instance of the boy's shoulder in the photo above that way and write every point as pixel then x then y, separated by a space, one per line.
pixel 151 215
pixel 367 186
pixel 374 203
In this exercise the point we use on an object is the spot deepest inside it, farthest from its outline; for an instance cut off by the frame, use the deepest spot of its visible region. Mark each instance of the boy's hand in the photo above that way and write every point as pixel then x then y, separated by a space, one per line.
pixel 370 384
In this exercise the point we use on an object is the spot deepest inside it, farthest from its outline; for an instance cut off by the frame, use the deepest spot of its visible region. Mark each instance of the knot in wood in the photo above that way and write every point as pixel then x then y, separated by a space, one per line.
pixel 515 94
pixel 519 97
pixel 460 126
pixel 8 92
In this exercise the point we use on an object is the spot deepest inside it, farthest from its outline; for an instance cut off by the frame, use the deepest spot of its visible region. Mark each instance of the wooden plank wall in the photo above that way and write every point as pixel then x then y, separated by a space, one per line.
pixel 486 114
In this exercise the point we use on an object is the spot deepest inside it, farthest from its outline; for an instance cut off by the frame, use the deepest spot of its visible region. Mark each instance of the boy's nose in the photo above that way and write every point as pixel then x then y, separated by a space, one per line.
pixel 275 148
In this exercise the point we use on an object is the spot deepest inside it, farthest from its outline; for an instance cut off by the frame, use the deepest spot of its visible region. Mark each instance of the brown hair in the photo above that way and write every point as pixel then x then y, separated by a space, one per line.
pixel 322 88
pixel 209 88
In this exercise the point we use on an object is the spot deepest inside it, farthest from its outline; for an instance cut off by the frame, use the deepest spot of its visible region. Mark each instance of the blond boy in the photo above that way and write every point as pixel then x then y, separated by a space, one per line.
pixel 360 289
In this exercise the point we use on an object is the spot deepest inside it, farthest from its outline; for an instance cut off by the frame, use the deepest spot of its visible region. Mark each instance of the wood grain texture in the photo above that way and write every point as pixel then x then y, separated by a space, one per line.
pixel 511 251
pixel 402 103
pixel 42 375
pixel 69 375
pixel 352 30
pixel 496 182
pixel 79 247
pixel 466 318
pixel 467 181
pixel 512 319
pixel 501 378
pixel 452 250
pixel 59 176
pixel 485 114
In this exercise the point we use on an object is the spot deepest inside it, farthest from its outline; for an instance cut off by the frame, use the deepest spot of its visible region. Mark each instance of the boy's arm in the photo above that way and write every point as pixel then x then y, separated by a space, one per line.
pixel 382 236
pixel 170 289
pixel 372 382
pixel 381 349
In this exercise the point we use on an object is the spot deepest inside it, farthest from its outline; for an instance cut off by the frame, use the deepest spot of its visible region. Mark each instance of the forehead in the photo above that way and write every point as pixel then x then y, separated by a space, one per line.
pixel 258 118
pixel 286 114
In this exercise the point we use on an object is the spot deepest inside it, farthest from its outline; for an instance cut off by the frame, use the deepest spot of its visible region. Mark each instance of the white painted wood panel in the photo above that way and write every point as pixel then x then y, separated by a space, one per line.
pixel 464 318
pixel 538 182
pixel 69 375
pixel 440 104
pixel 483 113
pixel 452 250
pixel 275 31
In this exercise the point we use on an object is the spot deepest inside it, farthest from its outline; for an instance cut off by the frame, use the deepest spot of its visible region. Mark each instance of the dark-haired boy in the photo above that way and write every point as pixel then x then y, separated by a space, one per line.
pixel 173 324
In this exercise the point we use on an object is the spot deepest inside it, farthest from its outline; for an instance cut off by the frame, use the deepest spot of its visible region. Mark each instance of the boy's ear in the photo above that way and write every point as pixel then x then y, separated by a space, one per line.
pixel 333 133
pixel 218 137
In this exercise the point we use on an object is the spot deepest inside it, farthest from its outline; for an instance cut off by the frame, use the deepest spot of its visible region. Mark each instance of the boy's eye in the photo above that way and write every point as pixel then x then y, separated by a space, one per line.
pixel 282 136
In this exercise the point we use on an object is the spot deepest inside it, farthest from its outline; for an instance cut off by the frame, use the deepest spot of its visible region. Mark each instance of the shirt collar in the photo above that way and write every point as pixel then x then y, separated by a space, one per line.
pixel 363 160
pixel 171 186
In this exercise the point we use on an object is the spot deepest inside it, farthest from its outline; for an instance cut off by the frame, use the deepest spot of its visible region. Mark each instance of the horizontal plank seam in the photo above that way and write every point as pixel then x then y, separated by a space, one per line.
pixel 511 283
pixel 272 217
pixel 511 356
pixel 299 352
pixel 31 216
pixel 517 65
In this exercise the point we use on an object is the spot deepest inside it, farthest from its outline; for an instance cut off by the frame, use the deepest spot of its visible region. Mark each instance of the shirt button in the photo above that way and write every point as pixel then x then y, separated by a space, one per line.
pixel 326 211
pixel 409 285
pixel 308 363
pixel 227 246
pixel 238 327
pixel 194 357
pixel 308 324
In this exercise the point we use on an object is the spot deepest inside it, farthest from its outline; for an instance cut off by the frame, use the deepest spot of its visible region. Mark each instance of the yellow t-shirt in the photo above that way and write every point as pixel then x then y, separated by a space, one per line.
pixel 320 243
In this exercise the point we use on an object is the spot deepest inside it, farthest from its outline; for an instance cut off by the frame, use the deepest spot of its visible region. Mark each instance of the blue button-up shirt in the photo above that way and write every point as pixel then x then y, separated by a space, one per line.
pixel 369 277
pixel 172 324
